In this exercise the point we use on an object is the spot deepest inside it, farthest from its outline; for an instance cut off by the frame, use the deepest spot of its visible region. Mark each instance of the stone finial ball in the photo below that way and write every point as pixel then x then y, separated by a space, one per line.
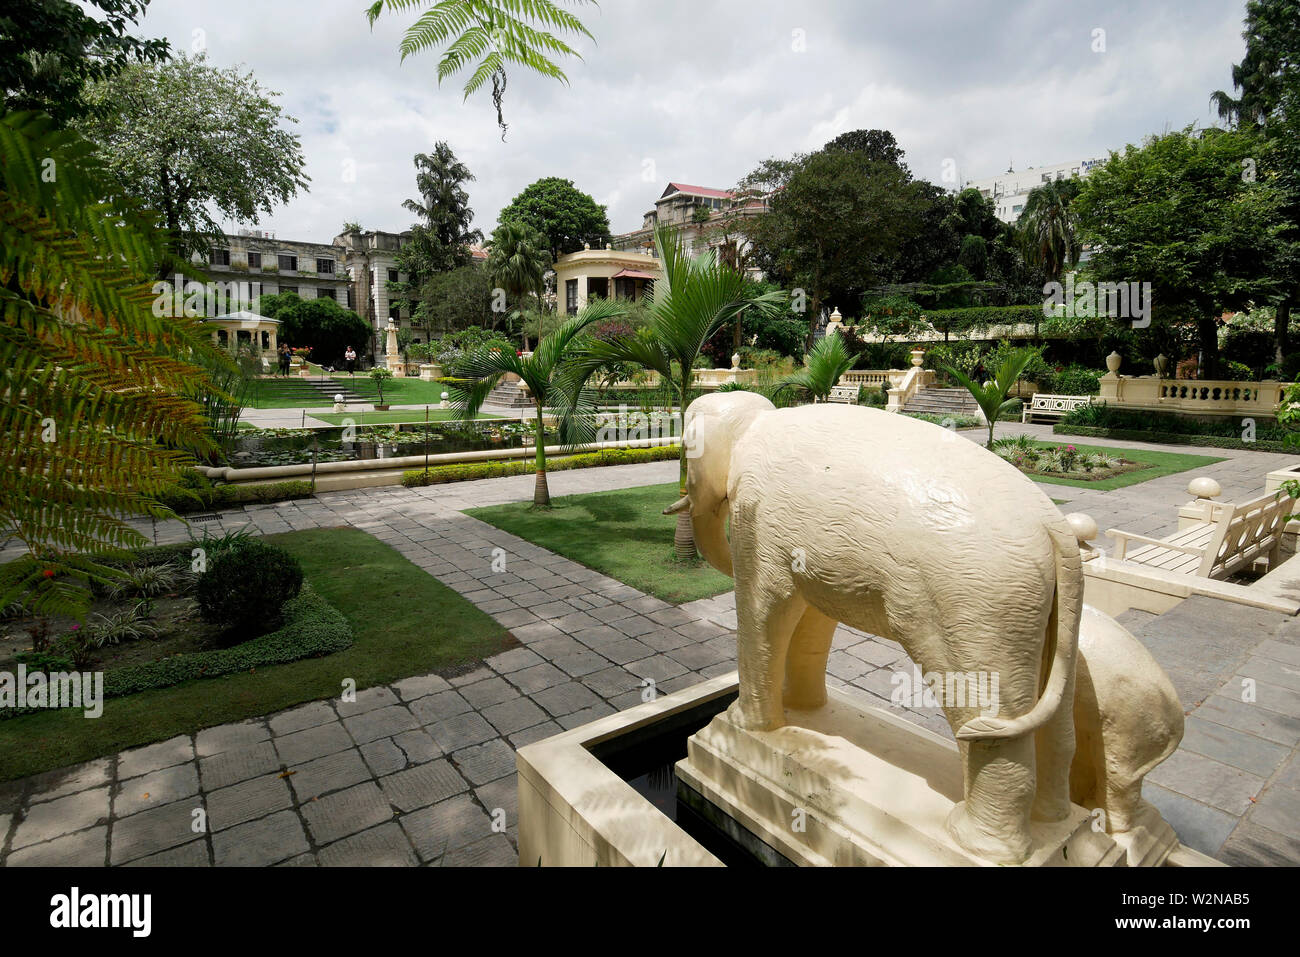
pixel 446 395
pixel 338 396
pixel 1083 526
pixel 1204 487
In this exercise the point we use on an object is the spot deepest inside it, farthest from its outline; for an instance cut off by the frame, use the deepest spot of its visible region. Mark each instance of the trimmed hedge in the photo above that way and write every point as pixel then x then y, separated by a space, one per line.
pixel 195 497
pixel 312 627
pixel 981 317
pixel 1175 438
pixel 441 474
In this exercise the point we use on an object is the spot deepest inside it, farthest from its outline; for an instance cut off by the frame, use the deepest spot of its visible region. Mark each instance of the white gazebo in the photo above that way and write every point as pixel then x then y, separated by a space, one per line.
pixel 238 328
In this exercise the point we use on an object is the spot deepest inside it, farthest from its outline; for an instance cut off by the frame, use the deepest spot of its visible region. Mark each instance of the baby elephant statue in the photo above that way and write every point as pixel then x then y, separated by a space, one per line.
pixel 908 531
pixel 1127 719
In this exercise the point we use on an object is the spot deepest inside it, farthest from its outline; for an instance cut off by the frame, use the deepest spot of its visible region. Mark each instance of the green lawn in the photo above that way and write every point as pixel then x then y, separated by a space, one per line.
pixel 276 392
pixel 395 416
pixel 1158 464
pixel 622 534
pixel 405 622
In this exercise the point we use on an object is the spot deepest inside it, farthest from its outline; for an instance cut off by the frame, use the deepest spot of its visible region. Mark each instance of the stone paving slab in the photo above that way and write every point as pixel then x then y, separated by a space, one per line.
pixel 422 771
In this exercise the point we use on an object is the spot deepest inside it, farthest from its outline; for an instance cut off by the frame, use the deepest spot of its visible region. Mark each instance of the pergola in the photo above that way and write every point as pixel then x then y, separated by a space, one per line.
pixel 237 329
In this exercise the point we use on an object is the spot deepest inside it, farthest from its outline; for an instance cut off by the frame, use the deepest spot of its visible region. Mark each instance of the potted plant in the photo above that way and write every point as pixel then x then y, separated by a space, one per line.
pixel 380 374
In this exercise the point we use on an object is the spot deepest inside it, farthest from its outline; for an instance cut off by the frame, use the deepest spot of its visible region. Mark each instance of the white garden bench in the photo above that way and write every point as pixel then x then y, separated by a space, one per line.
pixel 1053 406
pixel 1231 538
pixel 843 394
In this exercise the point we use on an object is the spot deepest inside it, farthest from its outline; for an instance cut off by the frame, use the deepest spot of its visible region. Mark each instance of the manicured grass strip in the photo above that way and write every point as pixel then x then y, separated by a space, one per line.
pixel 395 416
pixel 1289 444
pixel 404 622
pixel 622 534
pixel 1158 464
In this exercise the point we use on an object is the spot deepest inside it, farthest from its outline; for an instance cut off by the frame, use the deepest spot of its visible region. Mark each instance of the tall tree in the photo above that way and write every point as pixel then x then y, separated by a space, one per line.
pixel 878 145
pixel 1048 228
pixel 494 33
pixel 50 50
pixel 517 262
pixel 186 137
pixel 1178 213
pixel 836 224
pixel 440 241
pixel 561 212
pixel 1268 78
pixel 96 410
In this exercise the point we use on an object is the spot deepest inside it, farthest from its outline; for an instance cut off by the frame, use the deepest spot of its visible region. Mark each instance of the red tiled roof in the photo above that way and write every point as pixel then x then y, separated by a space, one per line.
pixel 633 274
pixel 700 191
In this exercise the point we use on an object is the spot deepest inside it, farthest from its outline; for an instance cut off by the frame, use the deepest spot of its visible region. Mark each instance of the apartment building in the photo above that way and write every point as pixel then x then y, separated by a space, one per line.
pixel 1009 190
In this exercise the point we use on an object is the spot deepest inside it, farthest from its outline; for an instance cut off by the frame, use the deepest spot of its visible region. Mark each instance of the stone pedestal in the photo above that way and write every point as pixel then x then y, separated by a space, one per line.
pixel 430 371
pixel 850 784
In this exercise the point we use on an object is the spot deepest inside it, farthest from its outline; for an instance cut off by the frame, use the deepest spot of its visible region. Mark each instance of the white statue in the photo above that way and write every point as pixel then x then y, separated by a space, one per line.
pixel 903 530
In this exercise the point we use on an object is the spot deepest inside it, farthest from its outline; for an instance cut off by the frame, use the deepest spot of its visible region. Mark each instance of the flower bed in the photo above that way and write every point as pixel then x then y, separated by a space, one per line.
pixel 1061 461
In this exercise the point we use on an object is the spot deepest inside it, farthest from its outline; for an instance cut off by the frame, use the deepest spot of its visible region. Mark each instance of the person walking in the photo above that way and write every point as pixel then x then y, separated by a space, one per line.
pixel 350 357
pixel 284 360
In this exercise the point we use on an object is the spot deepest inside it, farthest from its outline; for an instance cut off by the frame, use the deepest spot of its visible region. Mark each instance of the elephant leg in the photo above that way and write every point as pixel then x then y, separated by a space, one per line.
pixel 993 820
pixel 1054 744
pixel 805 666
pixel 766 614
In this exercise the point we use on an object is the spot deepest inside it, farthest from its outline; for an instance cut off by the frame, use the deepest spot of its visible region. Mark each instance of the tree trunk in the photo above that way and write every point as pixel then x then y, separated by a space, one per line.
pixel 1208 332
pixel 1281 333
pixel 684 535
pixel 541 491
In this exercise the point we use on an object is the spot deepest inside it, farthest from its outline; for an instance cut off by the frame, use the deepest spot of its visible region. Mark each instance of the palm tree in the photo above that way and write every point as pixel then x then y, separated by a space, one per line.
pixel 991 397
pixel 822 369
pixel 492 30
pixel 517 262
pixel 97 408
pixel 695 298
pixel 1048 228
pixel 541 373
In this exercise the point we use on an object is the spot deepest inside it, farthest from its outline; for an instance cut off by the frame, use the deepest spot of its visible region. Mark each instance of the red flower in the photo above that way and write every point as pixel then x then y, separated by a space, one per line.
pixel 48 573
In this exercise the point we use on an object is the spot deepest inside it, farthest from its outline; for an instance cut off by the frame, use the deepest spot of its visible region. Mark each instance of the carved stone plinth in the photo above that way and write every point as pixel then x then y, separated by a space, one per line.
pixel 850 784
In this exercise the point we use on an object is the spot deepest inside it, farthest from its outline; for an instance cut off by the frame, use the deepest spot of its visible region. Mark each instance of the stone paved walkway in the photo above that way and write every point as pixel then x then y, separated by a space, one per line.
pixel 422 771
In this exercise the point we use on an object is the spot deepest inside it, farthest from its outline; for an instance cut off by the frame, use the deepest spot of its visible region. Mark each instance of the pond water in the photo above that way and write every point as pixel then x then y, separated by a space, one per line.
pixel 296 446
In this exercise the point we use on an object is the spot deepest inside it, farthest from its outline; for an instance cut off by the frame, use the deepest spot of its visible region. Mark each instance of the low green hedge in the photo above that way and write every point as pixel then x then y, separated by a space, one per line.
pixel 195 497
pixel 1176 438
pixel 312 627
pixel 981 317
pixel 440 474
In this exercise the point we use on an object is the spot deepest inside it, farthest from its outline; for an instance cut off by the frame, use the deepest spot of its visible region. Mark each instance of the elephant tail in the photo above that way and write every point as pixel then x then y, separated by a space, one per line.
pixel 1063 631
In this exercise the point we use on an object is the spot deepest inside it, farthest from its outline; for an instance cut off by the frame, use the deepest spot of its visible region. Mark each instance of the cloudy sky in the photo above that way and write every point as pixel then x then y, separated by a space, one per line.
pixel 699 91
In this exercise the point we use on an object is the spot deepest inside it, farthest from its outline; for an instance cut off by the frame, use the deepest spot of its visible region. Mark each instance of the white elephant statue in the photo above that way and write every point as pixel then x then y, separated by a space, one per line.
pixel 901 529
pixel 1127 719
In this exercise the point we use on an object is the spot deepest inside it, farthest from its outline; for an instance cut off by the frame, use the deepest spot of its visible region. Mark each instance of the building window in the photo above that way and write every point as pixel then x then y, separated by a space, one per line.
pixel 1075 171
pixel 325 267
pixel 288 263
pixel 326 294
pixel 220 257
pixel 352 299
pixel 571 296
pixel 395 312
pixel 392 275
pixel 1047 177
pixel 1016 209
pixel 254 260
pixel 292 289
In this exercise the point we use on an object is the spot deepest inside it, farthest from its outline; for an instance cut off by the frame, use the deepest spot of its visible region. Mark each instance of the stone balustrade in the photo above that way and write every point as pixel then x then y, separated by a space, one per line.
pixel 1198 396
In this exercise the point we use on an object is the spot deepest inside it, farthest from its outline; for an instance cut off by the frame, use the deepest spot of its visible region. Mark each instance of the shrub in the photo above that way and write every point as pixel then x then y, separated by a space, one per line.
pixel 201 495
pixel 245 587
pixel 129 624
pixel 734 387
pixel 1077 380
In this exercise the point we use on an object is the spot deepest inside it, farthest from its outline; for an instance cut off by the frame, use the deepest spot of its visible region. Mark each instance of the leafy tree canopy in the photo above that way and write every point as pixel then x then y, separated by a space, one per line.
pixel 49 51
pixel 561 212
pixel 233 157
pixel 322 324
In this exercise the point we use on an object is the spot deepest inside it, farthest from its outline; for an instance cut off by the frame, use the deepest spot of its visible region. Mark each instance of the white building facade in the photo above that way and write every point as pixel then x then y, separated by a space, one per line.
pixel 1009 190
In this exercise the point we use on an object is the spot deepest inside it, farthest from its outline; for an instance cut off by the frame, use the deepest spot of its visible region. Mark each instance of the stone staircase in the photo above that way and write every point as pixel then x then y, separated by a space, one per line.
pixel 943 402
pixel 508 395
pixel 329 388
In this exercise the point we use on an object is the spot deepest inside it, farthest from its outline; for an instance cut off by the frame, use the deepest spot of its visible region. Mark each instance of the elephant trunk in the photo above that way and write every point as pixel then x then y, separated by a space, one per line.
pixel 1067 610
pixel 711 536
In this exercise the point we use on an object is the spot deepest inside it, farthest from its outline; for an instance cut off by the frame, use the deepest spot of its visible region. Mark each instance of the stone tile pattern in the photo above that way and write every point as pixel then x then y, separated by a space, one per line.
pixel 421 772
